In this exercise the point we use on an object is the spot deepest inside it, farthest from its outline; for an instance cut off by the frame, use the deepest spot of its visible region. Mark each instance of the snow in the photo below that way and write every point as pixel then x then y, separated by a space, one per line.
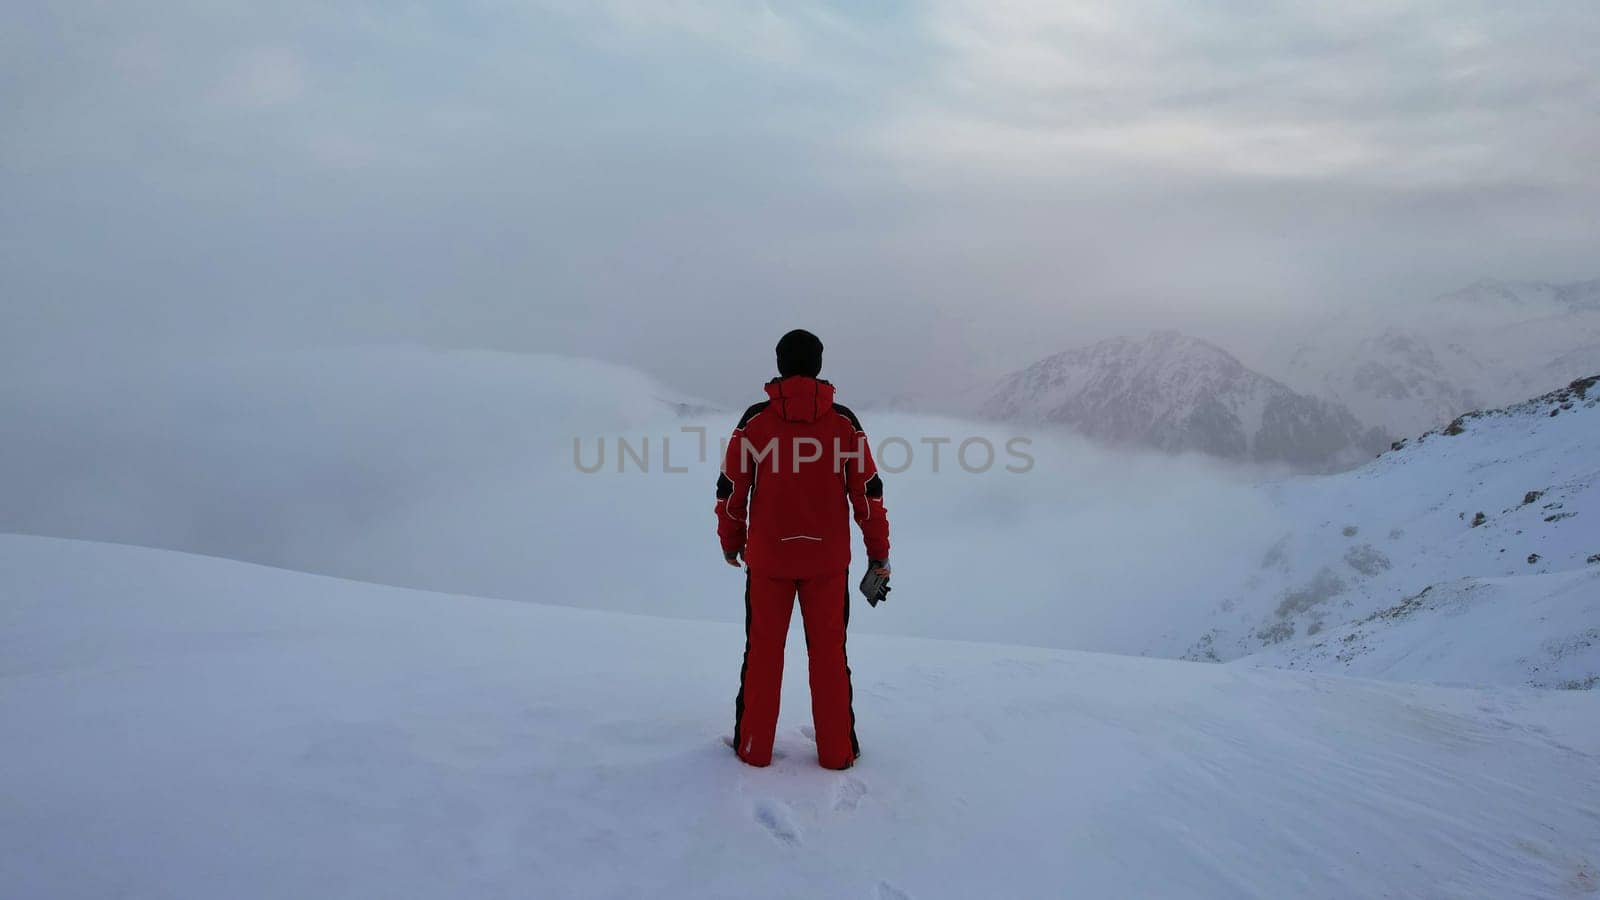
pixel 1174 393
pixel 1513 594
pixel 1541 630
pixel 184 726
pixel 192 726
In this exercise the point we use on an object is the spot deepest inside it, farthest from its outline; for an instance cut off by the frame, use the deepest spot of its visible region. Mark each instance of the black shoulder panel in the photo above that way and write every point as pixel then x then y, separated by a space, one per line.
pixel 754 410
pixel 843 410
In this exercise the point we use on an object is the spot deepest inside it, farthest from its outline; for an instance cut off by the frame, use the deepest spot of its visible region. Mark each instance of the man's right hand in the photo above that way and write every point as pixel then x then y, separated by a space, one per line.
pixel 875 584
pixel 733 559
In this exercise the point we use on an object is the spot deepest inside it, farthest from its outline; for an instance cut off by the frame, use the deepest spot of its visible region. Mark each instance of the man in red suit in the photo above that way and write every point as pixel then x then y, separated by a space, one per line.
pixel 798 465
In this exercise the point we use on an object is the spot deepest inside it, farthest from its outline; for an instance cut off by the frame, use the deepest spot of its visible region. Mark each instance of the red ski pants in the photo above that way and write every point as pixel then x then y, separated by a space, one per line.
pixel 825 610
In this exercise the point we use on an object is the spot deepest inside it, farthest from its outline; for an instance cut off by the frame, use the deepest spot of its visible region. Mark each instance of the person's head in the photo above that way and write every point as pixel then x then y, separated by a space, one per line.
pixel 799 353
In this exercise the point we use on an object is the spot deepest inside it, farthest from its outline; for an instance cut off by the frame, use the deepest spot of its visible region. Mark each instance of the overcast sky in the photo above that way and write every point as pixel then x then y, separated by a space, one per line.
pixel 937 189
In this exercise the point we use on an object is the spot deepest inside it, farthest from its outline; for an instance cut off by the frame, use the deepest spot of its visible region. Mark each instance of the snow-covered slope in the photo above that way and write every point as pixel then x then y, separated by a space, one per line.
pixel 1178 394
pixel 1540 630
pixel 188 727
pixel 1422 364
pixel 1469 555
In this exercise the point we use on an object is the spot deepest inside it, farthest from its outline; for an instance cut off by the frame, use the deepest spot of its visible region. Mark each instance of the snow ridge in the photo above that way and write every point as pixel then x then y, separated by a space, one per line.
pixel 1467 555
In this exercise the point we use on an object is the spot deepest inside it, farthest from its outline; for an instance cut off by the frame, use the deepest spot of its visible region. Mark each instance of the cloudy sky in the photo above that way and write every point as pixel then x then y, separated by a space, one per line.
pixel 938 189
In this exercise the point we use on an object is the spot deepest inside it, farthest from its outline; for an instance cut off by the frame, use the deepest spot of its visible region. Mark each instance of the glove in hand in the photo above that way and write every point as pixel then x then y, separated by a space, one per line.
pixel 875 584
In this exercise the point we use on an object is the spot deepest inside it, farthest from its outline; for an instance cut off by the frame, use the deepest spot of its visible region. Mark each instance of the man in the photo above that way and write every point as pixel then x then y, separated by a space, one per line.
pixel 795 468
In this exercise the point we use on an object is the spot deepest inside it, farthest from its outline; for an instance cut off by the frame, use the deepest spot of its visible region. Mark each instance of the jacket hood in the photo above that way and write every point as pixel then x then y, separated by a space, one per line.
pixel 800 398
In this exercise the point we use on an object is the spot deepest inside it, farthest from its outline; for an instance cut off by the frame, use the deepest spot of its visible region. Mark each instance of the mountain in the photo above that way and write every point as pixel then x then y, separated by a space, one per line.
pixel 1415 366
pixel 197 727
pixel 1470 555
pixel 1179 394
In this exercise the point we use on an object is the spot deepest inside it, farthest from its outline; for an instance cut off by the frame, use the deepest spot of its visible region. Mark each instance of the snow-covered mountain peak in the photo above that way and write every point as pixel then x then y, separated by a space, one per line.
pixel 1161 355
pixel 1177 393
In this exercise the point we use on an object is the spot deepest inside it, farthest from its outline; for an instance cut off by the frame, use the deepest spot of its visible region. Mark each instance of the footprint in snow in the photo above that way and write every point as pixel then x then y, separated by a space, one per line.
pixel 847 796
pixel 809 732
pixel 887 891
pixel 776 818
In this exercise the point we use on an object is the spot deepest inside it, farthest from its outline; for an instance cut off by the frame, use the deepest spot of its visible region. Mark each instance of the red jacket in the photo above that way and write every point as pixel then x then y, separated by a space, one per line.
pixel 789 467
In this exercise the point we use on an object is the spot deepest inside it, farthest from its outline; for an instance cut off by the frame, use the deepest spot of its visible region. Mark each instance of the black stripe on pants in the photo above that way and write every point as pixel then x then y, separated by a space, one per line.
pixel 738 702
pixel 855 745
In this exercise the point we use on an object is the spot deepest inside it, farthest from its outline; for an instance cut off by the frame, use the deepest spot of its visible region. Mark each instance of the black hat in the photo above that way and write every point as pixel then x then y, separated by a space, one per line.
pixel 799 353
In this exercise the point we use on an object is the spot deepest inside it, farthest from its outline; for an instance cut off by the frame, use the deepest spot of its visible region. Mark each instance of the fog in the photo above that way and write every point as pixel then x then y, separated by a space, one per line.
pixel 942 190
pixel 334 288
pixel 455 471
